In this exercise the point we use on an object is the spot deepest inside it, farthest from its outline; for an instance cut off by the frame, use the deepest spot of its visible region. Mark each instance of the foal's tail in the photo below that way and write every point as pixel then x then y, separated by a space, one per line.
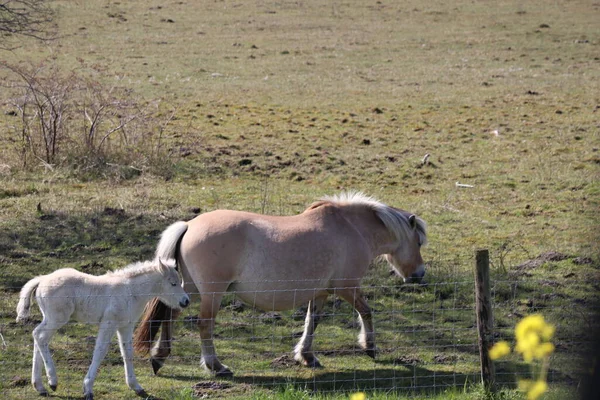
pixel 156 312
pixel 25 299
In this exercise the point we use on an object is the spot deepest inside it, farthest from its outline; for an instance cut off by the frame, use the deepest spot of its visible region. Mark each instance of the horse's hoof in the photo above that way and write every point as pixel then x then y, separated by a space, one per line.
pixel 88 396
pixel 44 394
pixel 156 365
pixel 53 387
pixel 371 353
pixel 224 373
pixel 142 393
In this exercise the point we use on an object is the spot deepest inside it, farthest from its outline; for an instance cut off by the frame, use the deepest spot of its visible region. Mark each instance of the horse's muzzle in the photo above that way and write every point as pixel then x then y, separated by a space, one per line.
pixel 417 276
pixel 184 303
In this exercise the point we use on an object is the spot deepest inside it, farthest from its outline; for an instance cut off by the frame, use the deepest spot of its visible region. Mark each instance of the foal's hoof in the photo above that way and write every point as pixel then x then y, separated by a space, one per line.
pixel 142 393
pixel 53 387
pixel 44 394
pixel 156 365
pixel 88 396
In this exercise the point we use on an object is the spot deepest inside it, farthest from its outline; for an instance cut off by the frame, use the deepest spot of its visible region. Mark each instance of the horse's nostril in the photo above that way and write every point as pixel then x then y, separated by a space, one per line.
pixel 184 303
pixel 417 276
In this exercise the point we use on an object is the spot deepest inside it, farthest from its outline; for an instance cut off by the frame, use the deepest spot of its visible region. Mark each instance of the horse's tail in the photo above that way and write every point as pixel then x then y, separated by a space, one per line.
pixel 155 312
pixel 25 299
pixel 169 240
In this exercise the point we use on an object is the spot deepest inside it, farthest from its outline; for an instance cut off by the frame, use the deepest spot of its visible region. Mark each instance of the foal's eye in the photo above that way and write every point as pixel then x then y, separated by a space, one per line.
pixel 173 284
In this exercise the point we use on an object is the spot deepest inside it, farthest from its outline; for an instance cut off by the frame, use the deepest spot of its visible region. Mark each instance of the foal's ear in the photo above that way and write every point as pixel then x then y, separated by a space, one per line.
pixel 412 220
pixel 164 268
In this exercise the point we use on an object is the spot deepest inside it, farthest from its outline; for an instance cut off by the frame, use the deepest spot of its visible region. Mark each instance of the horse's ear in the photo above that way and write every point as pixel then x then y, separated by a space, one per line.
pixel 412 220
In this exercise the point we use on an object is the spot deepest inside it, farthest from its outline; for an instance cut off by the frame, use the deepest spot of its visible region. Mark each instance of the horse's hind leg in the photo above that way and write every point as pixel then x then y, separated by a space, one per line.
pixel 366 338
pixel 42 335
pixel 36 371
pixel 209 307
pixel 303 352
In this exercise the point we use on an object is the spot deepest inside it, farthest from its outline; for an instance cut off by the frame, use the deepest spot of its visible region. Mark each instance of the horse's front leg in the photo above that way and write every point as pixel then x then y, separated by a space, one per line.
pixel 105 332
pixel 303 352
pixel 162 349
pixel 125 335
pixel 366 338
pixel 209 307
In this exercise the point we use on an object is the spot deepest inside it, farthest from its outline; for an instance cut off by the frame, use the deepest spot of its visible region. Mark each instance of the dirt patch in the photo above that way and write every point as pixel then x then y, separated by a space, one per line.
pixel 269 317
pixel 237 306
pixel 118 212
pixel 18 381
pixel 407 360
pixel 207 389
pixel 285 361
pixel 445 358
pixel 541 260
pixel 582 261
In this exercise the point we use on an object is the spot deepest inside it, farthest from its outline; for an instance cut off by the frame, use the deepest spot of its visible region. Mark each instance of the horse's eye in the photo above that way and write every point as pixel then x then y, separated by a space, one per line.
pixel 173 284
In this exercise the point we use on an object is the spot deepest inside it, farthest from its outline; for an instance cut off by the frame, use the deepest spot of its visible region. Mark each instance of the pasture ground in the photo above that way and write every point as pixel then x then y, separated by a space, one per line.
pixel 277 103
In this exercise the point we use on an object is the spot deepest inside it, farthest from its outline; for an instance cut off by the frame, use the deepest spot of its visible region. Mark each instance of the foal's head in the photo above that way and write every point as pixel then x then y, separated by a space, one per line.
pixel 171 290
pixel 406 257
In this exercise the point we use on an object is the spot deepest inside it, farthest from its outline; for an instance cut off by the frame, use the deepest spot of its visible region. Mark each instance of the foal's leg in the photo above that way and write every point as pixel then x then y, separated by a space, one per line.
pixel 366 338
pixel 209 307
pixel 125 335
pixel 105 332
pixel 36 371
pixel 303 352
pixel 162 348
pixel 42 335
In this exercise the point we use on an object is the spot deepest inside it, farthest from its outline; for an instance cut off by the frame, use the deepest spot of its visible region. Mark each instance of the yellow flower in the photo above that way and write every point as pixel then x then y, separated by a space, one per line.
pixel 543 350
pixel 358 396
pixel 533 334
pixel 533 389
pixel 499 350
pixel 532 323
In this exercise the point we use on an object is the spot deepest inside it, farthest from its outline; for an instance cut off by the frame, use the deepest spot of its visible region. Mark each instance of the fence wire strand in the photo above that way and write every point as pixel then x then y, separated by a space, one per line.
pixel 425 334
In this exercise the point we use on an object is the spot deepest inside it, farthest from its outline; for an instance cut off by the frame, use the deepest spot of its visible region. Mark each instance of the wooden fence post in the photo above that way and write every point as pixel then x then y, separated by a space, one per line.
pixel 485 319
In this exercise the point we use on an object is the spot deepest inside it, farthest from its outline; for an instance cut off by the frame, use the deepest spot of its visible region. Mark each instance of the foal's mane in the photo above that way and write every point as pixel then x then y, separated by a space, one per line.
pixel 394 219
pixel 137 269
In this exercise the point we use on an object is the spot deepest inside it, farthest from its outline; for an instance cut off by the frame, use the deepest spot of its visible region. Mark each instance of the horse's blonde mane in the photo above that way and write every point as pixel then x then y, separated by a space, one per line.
pixel 139 268
pixel 395 220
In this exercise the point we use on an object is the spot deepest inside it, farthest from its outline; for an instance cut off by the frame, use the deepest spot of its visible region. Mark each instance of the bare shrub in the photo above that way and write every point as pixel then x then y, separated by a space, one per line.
pixel 25 18
pixel 72 120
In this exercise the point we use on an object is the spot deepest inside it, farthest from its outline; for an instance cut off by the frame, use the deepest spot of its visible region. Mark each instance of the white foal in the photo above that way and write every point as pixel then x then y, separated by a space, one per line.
pixel 114 301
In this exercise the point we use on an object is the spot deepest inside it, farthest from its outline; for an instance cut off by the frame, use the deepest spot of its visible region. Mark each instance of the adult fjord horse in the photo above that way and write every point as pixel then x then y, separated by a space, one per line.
pixel 283 262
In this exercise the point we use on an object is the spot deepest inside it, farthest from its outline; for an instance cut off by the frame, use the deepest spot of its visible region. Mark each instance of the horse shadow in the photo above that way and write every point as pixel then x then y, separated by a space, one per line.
pixel 401 380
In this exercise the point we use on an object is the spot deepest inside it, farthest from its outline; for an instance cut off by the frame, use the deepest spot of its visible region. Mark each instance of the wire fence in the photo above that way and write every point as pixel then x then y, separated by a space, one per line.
pixel 426 338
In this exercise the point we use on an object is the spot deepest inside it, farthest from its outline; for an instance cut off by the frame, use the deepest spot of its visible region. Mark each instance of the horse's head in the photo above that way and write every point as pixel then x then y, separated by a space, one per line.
pixel 171 288
pixel 406 257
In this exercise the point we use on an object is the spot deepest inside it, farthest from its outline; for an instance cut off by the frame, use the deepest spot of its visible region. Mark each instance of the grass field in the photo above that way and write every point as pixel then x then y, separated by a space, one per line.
pixel 272 104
